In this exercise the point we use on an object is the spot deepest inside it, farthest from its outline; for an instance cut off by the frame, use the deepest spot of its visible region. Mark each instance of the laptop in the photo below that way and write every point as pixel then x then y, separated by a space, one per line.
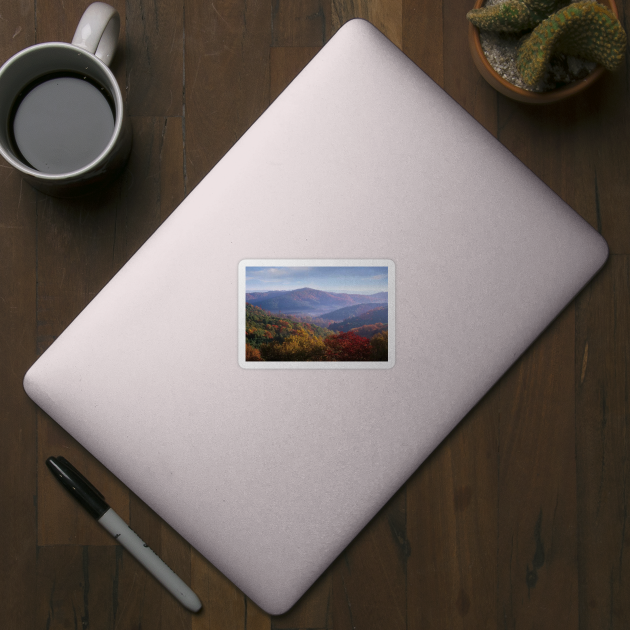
pixel 316 316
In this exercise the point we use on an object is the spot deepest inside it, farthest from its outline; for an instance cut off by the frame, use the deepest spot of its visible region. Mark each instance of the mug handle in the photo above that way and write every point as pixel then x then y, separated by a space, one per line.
pixel 98 30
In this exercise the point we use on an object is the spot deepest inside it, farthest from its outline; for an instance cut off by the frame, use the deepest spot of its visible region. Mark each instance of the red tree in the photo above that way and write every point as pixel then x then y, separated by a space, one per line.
pixel 347 346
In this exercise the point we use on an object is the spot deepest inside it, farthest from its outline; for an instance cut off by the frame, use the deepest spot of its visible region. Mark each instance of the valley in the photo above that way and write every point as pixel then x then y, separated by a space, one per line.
pixel 310 325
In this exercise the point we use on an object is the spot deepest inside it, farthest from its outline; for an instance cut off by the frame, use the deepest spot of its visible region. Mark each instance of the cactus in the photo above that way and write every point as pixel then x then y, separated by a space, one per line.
pixel 513 16
pixel 584 29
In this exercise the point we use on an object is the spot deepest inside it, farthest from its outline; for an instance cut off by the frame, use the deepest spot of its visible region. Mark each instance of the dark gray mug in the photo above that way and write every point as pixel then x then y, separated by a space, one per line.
pixel 86 59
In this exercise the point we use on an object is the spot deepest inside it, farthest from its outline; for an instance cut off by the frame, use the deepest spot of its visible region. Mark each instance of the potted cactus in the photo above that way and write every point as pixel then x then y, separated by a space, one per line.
pixel 558 49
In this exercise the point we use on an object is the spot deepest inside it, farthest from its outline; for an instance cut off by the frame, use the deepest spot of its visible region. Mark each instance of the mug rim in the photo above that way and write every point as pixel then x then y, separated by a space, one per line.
pixel 118 122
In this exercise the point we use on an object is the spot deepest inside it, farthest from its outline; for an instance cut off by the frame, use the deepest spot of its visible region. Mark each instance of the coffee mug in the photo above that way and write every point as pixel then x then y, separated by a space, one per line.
pixel 62 114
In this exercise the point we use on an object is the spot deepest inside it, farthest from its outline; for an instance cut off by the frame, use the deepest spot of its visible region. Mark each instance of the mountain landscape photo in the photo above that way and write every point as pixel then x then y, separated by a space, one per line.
pixel 337 314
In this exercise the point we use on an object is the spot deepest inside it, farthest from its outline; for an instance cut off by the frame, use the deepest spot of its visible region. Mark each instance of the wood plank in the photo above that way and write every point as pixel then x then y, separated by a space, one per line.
pixel 76 587
pixel 154 57
pixel 558 147
pixel 608 127
pixel 603 468
pixel 300 22
pixel 313 610
pixel 171 158
pixel 255 618
pixel 369 577
pixel 461 78
pixel 17 28
pixel 537 537
pixel 18 423
pixel 102 587
pixel 386 15
pixel 423 36
pixel 285 64
pixel 224 606
pixel 226 78
pixel 452 527
pixel 152 185
pixel 74 248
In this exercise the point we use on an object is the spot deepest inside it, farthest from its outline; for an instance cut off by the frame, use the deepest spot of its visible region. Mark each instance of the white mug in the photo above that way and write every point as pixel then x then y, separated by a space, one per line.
pixel 85 60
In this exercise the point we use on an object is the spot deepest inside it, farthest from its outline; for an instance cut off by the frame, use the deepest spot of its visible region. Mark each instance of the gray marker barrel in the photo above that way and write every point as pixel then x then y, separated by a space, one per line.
pixel 149 559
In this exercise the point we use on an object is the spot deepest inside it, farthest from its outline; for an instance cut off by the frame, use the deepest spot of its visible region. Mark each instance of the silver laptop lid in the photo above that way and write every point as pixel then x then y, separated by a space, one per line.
pixel 362 162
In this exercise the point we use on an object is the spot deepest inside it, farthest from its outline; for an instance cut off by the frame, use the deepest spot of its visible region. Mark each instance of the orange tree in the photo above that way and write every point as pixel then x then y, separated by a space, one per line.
pixel 300 346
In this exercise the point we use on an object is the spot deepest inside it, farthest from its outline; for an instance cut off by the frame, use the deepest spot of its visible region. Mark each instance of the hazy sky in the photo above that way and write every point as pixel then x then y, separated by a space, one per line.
pixel 365 280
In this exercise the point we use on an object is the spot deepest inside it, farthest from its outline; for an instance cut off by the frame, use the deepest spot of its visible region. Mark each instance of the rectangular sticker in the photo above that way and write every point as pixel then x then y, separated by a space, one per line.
pixel 316 314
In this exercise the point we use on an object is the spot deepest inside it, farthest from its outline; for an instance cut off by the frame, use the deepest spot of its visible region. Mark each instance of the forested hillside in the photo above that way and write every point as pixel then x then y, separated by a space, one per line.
pixel 273 338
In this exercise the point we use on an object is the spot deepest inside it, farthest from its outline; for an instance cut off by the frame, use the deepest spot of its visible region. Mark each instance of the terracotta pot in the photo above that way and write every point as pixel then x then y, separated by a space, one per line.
pixel 518 94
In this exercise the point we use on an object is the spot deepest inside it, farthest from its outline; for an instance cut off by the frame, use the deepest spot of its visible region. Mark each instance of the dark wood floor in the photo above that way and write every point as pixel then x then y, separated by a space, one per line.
pixel 518 520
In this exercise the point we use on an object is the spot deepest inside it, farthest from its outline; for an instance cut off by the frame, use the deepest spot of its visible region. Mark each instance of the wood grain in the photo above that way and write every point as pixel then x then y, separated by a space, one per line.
pixel 18 416
pixel 573 148
pixel 422 36
pixel 154 57
pixel 313 610
pixel 537 510
pixel 609 134
pixel 461 79
pixel 452 515
pixel 602 380
pixel 300 22
pixel 285 64
pixel 369 577
pixel 226 78
pixel 76 587
pixel 224 606
pixel 386 15
pixel 151 187
pixel 517 520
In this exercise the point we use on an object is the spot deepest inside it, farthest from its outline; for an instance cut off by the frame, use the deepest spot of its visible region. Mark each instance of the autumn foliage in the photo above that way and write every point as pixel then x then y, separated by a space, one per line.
pixel 300 346
pixel 347 346
pixel 272 338
pixel 252 354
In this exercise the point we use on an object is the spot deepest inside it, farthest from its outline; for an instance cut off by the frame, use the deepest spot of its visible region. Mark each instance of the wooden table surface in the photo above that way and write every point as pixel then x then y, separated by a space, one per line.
pixel 518 520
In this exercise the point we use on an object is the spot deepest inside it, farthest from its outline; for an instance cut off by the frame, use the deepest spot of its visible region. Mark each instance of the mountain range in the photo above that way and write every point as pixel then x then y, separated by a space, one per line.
pixel 350 311
pixel 378 315
pixel 310 301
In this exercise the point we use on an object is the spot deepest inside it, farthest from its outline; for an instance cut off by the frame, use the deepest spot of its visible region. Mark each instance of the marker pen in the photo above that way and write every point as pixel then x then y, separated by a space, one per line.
pixel 94 502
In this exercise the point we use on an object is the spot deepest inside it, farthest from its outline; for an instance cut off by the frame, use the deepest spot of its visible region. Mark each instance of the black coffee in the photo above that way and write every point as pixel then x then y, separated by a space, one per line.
pixel 61 123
